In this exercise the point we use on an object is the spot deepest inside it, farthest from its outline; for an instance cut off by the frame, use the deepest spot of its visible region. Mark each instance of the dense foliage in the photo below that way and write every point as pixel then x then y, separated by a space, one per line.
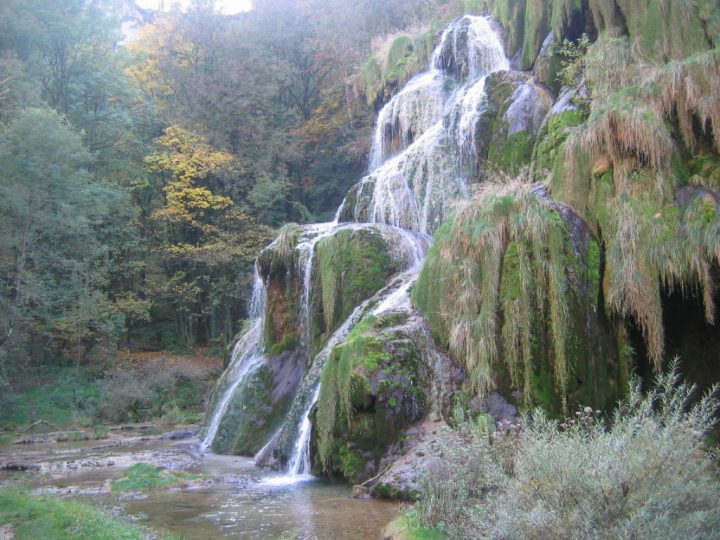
pixel 141 175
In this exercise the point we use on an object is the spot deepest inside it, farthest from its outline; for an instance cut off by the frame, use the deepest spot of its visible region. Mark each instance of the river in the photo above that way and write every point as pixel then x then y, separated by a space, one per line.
pixel 231 499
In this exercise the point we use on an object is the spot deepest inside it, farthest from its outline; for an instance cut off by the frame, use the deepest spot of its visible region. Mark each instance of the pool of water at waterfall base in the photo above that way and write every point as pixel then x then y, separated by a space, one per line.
pixel 234 500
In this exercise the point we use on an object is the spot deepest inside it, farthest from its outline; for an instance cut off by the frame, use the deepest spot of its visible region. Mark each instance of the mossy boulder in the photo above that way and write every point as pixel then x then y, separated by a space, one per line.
pixel 522 310
pixel 278 267
pixel 514 111
pixel 374 385
pixel 259 406
pixel 349 267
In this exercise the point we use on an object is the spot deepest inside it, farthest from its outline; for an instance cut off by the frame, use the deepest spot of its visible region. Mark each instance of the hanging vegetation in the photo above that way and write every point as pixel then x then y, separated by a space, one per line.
pixel 506 265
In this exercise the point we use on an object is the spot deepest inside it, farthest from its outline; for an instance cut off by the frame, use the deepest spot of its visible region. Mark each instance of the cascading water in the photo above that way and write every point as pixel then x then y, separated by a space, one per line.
pixel 415 178
pixel 432 123
pixel 247 356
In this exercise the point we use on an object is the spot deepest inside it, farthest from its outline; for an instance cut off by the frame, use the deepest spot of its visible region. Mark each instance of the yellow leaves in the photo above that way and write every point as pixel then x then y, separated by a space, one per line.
pixel 157 45
pixel 186 155
pixel 186 202
pixel 154 44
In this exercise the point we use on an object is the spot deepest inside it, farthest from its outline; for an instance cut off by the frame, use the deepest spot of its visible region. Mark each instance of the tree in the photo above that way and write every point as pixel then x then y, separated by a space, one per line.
pixel 207 244
pixel 53 266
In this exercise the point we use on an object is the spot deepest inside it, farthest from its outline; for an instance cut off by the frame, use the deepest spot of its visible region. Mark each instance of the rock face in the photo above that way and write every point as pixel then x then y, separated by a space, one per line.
pixel 313 279
pixel 511 120
pixel 381 380
pixel 547 288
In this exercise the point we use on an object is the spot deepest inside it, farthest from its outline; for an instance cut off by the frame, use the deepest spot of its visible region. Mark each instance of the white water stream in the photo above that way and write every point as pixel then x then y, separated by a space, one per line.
pixel 247 357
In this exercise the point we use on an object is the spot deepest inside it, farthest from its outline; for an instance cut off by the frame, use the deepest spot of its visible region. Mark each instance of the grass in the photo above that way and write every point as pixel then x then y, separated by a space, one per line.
pixel 499 263
pixel 57 519
pixel 6 441
pixel 163 387
pixel 64 397
pixel 145 477
pixel 408 526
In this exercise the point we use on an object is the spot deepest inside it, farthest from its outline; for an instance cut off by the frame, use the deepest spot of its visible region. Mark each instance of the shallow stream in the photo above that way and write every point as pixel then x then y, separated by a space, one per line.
pixel 232 498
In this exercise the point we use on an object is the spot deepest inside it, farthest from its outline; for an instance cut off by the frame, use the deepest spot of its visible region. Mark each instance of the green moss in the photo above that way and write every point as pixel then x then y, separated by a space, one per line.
pixel 252 415
pixel 350 266
pixel 370 390
pixel 373 80
pixel 519 308
pixel 511 14
pixel 664 30
pixel 290 343
pixel 432 287
pixel 145 477
pixel 549 149
pixel 537 27
pixel 400 49
pixel 277 265
pixel 352 464
pixel 392 493
pixel 511 154
pixel 528 22
pixel 473 6
pixel 407 56
pixel 511 285
pixel 47 517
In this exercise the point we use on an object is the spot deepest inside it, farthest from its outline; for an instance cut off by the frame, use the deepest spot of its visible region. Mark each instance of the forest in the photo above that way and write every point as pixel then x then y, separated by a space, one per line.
pixel 425 268
pixel 141 178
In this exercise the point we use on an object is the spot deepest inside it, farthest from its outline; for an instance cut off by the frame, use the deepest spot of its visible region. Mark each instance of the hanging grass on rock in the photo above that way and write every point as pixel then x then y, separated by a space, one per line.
pixel 623 168
pixel 499 266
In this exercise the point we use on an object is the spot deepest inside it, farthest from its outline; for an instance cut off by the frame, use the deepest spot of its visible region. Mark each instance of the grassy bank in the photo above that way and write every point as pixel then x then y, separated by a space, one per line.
pixel 47 517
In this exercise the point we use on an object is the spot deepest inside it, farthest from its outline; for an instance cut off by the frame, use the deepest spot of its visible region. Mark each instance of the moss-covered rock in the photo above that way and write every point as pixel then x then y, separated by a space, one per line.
pixel 407 56
pixel 664 30
pixel 528 22
pixel 545 65
pixel 259 406
pixel 511 287
pixel 278 268
pixel 514 110
pixel 373 386
pixel 350 266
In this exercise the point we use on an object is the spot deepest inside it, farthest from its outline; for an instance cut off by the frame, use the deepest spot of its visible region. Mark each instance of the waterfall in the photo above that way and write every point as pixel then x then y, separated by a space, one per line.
pixel 247 356
pixel 300 460
pixel 424 132
pixel 409 247
pixel 421 138
pixel 306 247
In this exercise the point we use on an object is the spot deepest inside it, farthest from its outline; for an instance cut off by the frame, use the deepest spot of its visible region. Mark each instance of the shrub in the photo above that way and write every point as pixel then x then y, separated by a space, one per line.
pixel 646 475
pixel 146 392
pixel 573 66
pixel 125 397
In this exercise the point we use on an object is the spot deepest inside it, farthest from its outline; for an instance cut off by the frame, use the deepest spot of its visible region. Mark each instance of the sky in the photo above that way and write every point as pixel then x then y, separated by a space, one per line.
pixel 226 6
